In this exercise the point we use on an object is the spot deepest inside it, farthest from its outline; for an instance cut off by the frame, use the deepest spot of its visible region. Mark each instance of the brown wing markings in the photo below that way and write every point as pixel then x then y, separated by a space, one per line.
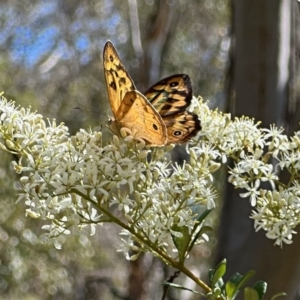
pixel 118 81
pixel 170 97
pixel 171 94
pixel 182 126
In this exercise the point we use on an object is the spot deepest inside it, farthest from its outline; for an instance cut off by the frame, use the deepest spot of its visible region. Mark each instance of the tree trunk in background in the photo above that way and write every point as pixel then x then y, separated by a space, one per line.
pixel 158 34
pixel 262 31
pixel 150 53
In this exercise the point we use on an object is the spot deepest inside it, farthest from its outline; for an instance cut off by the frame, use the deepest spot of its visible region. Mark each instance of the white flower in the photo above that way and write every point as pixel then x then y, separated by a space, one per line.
pixel 252 192
pixel 278 214
pixel 278 141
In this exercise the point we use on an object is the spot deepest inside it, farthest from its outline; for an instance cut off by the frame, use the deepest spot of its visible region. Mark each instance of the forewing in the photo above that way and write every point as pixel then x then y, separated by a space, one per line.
pixel 118 81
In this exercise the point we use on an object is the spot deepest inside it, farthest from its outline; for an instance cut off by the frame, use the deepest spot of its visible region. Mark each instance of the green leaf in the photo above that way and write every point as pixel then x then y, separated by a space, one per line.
pixel 261 288
pixel 278 295
pixel 231 290
pixel 251 294
pixel 236 282
pixel 240 280
pixel 219 272
pixel 200 219
pixel 258 292
pixel 181 243
pixel 204 229
pixel 211 273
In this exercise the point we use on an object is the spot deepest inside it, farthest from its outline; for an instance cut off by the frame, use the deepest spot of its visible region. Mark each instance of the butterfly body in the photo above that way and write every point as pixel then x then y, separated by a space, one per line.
pixel 159 115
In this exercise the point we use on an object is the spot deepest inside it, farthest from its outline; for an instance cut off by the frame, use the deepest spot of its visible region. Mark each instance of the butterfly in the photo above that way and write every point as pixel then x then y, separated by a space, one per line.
pixel 158 116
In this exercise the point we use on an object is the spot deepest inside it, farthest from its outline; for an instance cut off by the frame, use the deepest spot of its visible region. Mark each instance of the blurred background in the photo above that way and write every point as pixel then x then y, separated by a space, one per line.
pixel 241 55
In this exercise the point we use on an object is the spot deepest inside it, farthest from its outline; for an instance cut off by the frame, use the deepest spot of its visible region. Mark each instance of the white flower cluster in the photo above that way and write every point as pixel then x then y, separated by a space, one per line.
pixel 260 155
pixel 77 182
